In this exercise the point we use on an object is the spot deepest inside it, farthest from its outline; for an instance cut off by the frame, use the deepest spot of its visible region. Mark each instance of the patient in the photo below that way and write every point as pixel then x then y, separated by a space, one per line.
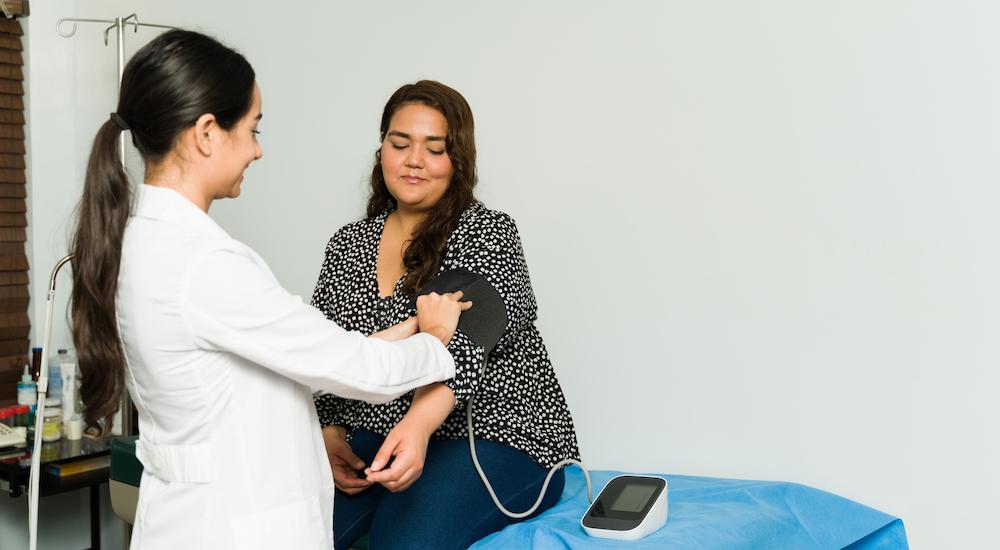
pixel 403 469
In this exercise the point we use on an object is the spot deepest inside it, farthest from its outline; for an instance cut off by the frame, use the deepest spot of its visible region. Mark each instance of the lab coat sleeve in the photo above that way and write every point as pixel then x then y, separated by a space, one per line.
pixel 494 251
pixel 233 303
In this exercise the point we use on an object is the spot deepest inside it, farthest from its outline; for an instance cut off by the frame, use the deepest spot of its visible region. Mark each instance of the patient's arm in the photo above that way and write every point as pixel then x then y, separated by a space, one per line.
pixel 398 331
pixel 407 441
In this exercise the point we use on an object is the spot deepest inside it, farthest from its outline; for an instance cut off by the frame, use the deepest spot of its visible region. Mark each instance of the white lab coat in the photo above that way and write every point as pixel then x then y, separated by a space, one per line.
pixel 222 364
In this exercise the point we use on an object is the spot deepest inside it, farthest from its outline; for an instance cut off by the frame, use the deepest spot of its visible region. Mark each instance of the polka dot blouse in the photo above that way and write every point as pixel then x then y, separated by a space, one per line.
pixel 518 401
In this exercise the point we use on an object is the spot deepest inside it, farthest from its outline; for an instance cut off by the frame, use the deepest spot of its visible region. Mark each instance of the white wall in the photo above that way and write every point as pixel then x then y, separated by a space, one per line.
pixel 762 235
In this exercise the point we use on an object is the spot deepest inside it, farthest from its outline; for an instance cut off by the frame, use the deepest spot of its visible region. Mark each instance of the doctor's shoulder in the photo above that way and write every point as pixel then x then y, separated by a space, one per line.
pixel 212 257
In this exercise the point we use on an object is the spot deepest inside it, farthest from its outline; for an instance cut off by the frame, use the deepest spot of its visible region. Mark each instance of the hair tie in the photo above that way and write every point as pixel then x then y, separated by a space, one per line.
pixel 119 122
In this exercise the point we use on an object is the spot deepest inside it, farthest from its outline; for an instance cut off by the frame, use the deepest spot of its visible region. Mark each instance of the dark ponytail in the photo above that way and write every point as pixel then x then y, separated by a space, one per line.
pixel 166 87
pixel 96 249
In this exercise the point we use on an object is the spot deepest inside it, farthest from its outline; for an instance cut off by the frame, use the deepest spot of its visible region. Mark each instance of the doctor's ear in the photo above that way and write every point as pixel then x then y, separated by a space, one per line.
pixel 205 129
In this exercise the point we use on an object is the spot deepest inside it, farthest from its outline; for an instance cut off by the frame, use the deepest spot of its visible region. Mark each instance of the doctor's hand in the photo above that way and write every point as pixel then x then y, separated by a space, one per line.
pixel 407 442
pixel 344 463
pixel 398 331
pixel 437 314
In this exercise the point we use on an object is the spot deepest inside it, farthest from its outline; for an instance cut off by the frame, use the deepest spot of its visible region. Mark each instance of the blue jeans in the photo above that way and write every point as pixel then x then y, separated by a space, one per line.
pixel 448 507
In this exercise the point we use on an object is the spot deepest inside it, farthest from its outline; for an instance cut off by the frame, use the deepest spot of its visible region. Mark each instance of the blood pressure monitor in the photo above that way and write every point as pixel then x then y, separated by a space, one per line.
pixel 629 508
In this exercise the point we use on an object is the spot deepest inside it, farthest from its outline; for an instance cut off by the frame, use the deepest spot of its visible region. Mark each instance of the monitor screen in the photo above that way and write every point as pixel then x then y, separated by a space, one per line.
pixel 633 498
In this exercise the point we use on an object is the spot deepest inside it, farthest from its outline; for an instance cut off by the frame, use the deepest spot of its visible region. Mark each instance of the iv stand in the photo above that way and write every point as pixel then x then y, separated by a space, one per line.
pixel 118 24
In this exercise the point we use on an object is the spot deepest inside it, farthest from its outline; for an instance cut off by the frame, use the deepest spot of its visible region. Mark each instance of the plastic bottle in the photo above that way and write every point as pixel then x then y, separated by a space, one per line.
pixel 52 419
pixel 73 427
pixel 27 394
pixel 69 385
pixel 55 388
pixel 36 362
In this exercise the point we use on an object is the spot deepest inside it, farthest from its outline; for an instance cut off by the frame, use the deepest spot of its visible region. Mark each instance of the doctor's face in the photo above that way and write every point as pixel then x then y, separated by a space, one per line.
pixel 239 149
pixel 415 162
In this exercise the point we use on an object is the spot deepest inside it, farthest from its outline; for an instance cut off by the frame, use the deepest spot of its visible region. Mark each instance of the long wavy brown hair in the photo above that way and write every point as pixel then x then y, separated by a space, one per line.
pixel 423 256
pixel 167 85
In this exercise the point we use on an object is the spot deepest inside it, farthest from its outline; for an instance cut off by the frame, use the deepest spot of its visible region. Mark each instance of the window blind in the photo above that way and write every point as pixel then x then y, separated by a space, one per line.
pixel 14 298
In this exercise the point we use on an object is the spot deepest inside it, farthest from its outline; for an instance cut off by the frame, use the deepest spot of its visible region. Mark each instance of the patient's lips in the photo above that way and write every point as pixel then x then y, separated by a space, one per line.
pixel 412 179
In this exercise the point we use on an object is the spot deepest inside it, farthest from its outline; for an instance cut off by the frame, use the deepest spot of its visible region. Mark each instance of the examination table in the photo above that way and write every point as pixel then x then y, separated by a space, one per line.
pixel 714 513
pixel 704 513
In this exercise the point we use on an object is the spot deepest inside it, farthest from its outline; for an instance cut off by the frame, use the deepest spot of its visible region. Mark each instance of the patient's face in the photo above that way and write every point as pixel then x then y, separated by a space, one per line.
pixel 415 164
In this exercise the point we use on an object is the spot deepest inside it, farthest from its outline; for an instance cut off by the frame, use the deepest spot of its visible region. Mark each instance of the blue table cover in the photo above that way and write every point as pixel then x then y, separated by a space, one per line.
pixel 706 512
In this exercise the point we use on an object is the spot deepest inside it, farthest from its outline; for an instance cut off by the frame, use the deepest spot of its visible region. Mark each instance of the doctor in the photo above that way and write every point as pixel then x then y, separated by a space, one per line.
pixel 219 359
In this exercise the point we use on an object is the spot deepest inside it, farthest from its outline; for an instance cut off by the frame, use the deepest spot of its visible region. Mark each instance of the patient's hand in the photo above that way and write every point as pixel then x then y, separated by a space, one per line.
pixel 399 331
pixel 344 463
pixel 407 442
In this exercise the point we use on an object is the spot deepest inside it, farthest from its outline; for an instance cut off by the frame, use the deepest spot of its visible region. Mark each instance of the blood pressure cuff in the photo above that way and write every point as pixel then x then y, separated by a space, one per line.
pixel 483 323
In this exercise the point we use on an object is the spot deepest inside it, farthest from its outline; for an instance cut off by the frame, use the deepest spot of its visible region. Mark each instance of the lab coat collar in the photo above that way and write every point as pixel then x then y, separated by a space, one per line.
pixel 161 203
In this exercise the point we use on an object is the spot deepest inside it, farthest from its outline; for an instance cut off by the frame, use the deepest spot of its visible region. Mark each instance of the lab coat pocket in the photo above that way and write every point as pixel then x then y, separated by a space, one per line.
pixel 298 525
pixel 172 515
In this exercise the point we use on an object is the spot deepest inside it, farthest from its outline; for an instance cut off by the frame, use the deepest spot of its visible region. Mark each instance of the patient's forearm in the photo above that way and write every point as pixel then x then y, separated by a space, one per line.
pixel 398 331
pixel 431 406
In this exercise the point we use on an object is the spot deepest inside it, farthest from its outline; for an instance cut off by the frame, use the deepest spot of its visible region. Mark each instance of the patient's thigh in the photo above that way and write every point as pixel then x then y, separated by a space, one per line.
pixel 448 507
pixel 353 514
